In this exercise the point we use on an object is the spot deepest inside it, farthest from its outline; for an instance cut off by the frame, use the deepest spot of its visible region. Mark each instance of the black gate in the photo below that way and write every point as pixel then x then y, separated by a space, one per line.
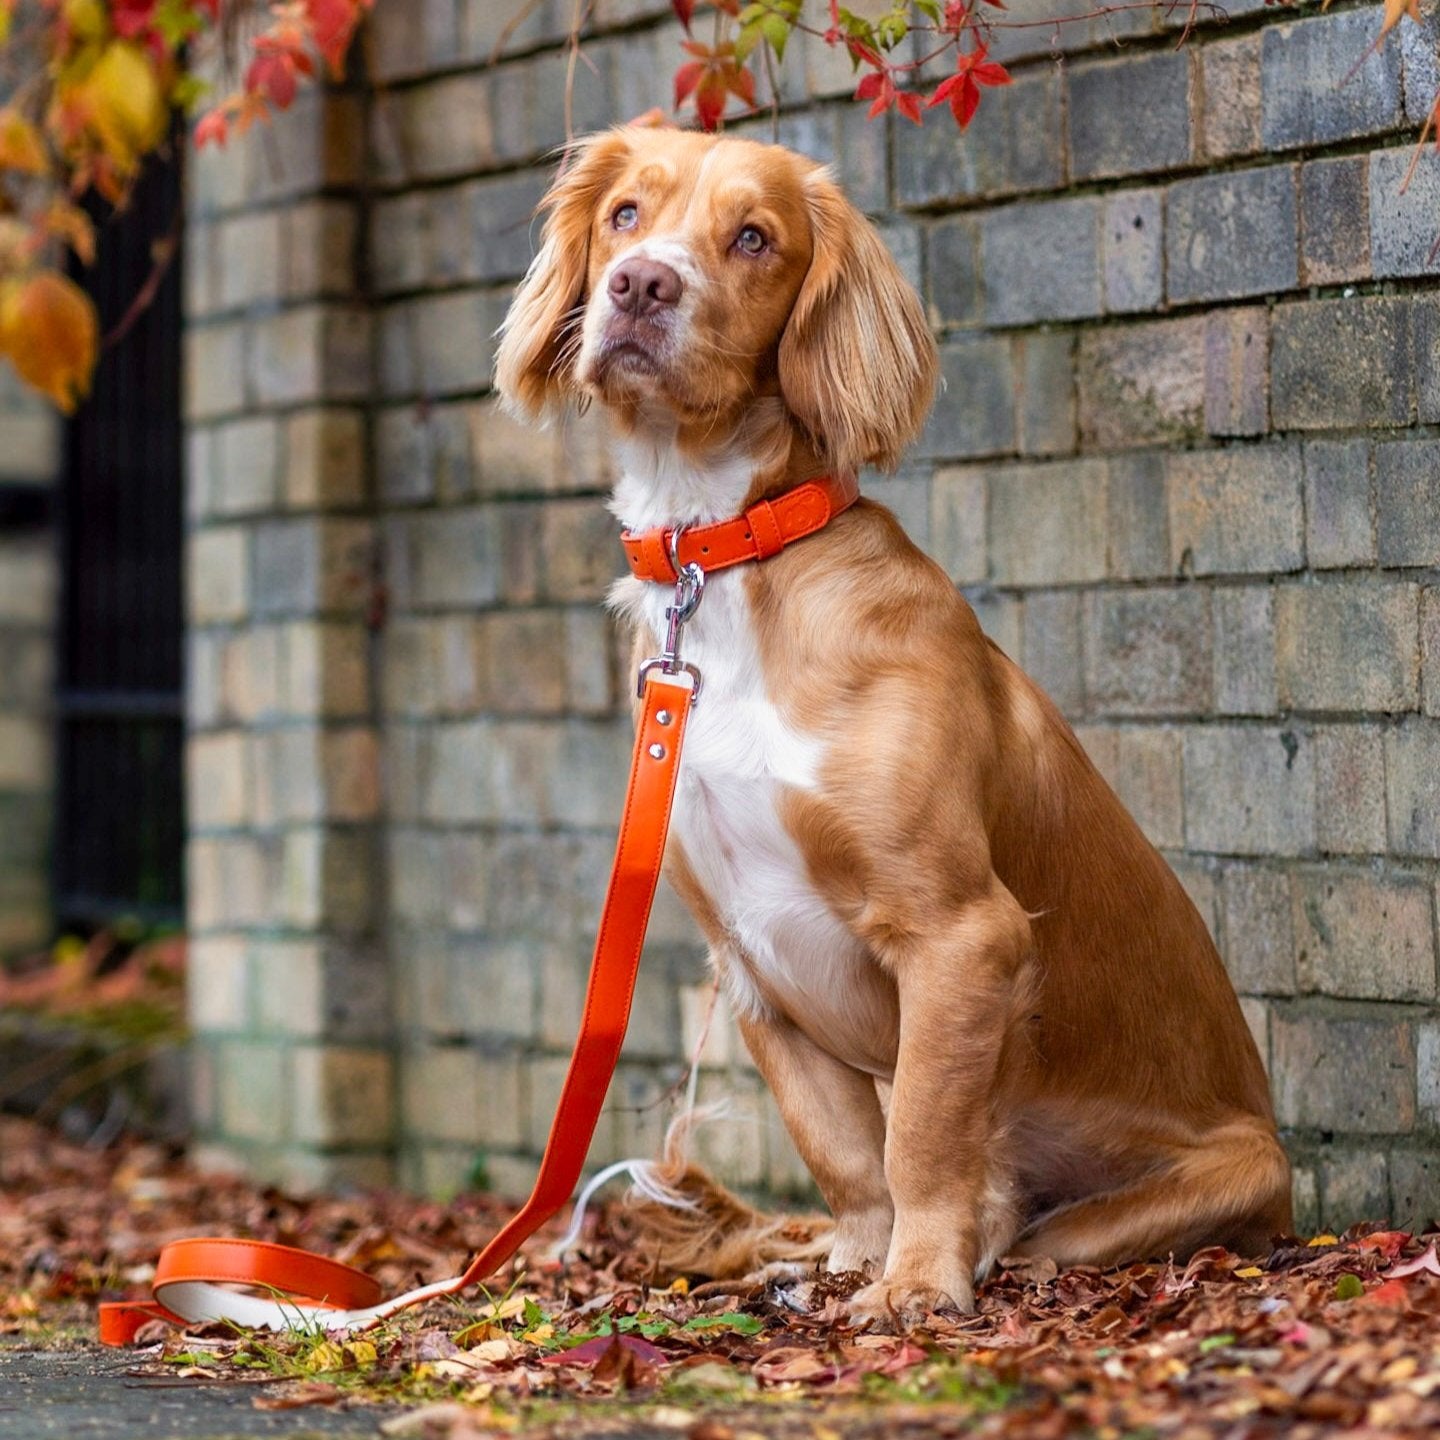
pixel 120 825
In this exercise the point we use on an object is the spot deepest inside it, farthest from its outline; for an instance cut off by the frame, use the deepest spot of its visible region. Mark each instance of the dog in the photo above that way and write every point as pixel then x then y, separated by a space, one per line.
pixel 992 1019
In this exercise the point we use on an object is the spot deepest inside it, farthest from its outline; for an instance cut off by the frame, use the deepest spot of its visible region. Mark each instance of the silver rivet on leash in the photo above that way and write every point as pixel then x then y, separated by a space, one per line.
pixel 662 717
pixel 657 751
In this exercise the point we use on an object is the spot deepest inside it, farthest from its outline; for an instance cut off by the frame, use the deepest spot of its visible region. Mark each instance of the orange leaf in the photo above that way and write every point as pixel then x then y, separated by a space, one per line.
pixel 50 331
pixel 71 224
pixel 1394 9
pixel 21 147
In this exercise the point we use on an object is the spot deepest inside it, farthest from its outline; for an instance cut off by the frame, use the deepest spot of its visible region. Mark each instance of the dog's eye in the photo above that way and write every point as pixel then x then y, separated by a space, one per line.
pixel 626 217
pixel 751 240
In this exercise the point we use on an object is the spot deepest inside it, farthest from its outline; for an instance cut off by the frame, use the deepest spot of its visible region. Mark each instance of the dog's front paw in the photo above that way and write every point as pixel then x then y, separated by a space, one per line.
pixel 894 1305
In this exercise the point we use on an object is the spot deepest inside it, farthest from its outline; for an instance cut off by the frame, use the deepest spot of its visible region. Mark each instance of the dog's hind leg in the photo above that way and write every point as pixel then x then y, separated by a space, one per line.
pixel 1231 1188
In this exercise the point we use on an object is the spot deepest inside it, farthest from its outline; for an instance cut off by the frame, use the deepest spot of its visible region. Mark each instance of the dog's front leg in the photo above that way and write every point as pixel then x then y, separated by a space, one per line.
pixel 833 1115
pixel 962 986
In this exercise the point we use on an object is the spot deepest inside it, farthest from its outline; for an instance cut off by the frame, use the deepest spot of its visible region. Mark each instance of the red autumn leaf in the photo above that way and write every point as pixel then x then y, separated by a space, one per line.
pixel 332 23
pixel 131 18
pixel 1426 1264
pixel 212 127
pixel 907 102
pixel 687 77
pixel 1392 1293
pixel 871 84
pixel 684 10
pixel 1388 1242
pixel 710 97
pixel 591 1352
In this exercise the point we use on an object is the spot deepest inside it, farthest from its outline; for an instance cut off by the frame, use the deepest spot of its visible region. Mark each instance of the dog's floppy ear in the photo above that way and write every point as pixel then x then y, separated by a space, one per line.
pixel 535 362
pixel 857 360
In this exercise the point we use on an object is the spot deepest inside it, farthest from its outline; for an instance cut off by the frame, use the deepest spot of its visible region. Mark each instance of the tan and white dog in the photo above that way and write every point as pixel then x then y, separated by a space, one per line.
pixel 992 1019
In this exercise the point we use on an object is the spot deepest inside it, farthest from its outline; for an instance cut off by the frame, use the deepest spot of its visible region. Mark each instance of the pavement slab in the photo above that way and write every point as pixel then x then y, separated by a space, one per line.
pixel 89 1393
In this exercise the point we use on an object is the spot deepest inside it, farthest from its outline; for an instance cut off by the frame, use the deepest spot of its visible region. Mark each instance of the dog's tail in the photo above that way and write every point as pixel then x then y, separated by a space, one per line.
pixel 683 1221
pixel 679 1220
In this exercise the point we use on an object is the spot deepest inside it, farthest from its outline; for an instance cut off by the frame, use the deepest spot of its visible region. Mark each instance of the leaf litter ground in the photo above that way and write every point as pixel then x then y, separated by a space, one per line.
pixel 1325 1336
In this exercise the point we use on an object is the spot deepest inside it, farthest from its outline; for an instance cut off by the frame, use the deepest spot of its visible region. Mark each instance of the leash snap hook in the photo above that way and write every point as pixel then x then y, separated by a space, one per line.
pixel 689 589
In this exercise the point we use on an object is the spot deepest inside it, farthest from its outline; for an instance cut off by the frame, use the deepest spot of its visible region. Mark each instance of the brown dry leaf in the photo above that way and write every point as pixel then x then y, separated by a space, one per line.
pixel 299 1396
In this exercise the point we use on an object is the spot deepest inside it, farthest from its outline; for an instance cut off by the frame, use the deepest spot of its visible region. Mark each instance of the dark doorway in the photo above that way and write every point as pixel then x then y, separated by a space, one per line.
pixel 120 824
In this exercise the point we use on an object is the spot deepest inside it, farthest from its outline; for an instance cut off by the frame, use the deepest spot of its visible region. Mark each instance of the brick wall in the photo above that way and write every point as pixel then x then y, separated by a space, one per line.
pixel 1186 467
pixel 29 440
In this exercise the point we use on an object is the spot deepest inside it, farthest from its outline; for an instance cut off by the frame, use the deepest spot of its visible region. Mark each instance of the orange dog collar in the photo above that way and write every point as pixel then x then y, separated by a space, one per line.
pixel 765 529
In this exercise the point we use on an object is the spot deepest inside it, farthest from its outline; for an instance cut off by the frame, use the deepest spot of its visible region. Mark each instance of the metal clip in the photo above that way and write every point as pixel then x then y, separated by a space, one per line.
pixel 689 588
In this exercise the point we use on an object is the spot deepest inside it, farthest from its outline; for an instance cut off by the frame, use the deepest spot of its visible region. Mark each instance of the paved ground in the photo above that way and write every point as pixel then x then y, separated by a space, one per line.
pixel 86 1394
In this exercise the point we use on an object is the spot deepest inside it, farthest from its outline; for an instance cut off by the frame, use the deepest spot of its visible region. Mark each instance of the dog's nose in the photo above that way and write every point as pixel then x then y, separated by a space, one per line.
pixel 641 287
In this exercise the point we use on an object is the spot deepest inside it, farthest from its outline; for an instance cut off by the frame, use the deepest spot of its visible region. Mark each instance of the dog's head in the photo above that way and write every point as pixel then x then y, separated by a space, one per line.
pixel 689 274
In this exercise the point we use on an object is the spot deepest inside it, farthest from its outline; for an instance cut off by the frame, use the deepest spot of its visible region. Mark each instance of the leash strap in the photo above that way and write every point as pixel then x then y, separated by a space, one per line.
pixel 304 1290
pixel 762 531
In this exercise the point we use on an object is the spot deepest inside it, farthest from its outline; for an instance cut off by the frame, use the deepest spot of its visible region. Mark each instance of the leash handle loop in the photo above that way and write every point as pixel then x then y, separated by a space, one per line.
pixel 302 1289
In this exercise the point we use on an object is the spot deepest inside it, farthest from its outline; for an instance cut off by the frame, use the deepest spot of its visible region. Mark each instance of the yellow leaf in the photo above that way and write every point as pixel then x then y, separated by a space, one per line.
pixel 1323 1240
pixel 50 331
pixel 21 147
pixel 1394 9
pixel 119 102
pixel 1250 1272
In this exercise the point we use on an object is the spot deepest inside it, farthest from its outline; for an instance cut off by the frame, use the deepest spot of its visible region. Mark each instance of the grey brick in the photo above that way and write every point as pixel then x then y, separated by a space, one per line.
pixel 1331 1070
pixel 1141 384
pixel 1052 646
pixel 1348 645
pixel 1335 220
pixel 1041 261
pixel 1132 244
pixel 1014 144
pixel 903 239
pixel 1430 647
pixel 1045 367
pixel 1148 652
pixel 957 523
pixel 1259 933
pixel 1419 65
pixel 1304 66
pixel 1236 511
pixel 1230 97
pixel 1412 787
pixel 1414 1189
pixel 1407 502
pixel 1232 235
pixel 1105 99
pixel 1249 791
pixel 1139 518
pixel 579 557
pixel 500 226
pixel 952 253
pixel 452 339
pixel 1354 1185
pixel 1339 527
pixel 975 413
pixel 1237 371
pixel 445 127
pixel 1350 789
pixel 1425 352
pixel 999 616
pixel 1148 781
pixel 1342 362
pixel 446 558
pixel 1244 620
pixel 1403 223
pixel 1362 936
pixel 1047 523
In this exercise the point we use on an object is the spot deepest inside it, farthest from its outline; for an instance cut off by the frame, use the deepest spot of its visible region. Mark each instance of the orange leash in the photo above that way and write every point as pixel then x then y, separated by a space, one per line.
pixel 302 1289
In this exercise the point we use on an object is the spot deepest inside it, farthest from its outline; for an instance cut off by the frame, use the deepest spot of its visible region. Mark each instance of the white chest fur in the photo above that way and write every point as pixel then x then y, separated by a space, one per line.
pixel 787 950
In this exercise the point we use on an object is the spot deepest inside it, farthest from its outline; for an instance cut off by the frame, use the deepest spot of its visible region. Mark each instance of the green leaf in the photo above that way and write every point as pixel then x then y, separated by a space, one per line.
pixel 777 30
pixel 891 29
pixel 930 9
pixel 730 1320
pixel 1349 1287
pixel 532 1315
pixel 746 39
pixel 1215 1342
pixel 751 13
